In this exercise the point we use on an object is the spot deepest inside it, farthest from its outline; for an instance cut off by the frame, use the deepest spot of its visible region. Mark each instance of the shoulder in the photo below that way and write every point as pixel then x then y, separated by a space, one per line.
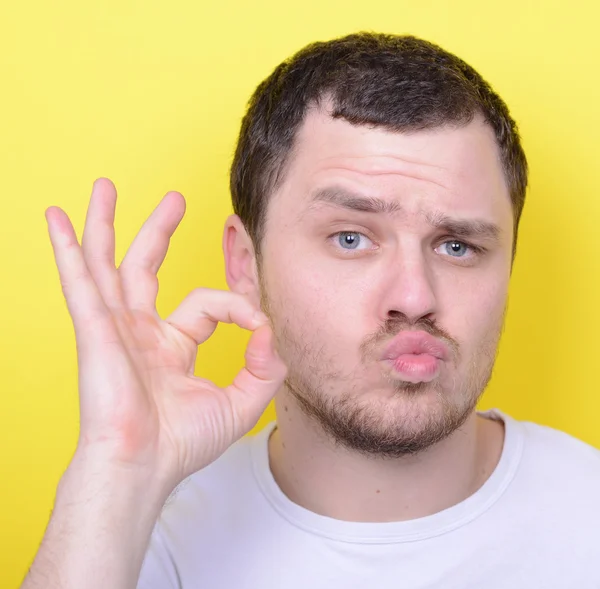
pixel 557 462
pixel 548 447
pixel 552 446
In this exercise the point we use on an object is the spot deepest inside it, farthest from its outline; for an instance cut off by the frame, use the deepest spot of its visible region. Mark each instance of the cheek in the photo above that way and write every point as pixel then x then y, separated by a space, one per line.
pixel 312 303
pixel 299 293
pixel 478 318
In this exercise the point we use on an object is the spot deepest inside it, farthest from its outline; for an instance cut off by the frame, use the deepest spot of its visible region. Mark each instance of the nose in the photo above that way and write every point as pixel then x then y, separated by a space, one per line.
pixel 408 290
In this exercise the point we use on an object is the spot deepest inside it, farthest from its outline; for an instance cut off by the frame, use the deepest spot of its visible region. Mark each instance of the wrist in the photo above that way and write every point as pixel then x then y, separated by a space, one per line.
pixel 115 488
pixel 103 517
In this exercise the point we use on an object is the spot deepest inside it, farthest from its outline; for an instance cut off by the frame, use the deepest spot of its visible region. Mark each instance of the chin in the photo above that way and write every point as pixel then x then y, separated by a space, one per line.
pixel 388 422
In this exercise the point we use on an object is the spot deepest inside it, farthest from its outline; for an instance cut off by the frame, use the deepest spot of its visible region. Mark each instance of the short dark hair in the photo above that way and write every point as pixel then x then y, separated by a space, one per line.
pixel 396 82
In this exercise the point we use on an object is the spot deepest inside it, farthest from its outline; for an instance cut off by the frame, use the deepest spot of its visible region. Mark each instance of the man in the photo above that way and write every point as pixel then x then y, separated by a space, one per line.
pixel 378 184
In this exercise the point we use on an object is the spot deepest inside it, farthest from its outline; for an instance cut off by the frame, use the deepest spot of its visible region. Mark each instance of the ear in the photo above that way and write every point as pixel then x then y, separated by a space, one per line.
pixel 240 260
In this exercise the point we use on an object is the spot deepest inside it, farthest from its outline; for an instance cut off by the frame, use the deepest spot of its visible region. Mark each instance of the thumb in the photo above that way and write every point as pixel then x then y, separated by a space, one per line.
pixel 256 384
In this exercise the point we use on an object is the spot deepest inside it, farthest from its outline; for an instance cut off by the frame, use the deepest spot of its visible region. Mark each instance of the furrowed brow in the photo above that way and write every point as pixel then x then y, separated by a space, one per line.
pixel 474 228
pixel 346 199
pixel 343 198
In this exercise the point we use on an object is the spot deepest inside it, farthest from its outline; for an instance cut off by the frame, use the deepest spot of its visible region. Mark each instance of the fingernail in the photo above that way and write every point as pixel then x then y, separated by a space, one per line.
pixel 260 317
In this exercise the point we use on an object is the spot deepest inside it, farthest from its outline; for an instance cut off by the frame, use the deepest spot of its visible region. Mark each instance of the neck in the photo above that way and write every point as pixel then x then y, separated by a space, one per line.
pixel 329 480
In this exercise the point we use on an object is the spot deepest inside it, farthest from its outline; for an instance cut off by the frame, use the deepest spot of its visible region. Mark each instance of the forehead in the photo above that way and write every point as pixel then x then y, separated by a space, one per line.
pixel 443 170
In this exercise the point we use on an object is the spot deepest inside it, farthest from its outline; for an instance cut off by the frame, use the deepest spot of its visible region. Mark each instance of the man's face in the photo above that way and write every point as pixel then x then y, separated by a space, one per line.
pixel 379 239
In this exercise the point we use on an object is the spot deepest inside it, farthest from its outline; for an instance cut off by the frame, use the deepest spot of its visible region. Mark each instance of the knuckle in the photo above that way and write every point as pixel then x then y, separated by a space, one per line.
pixel 258 363
pixel 93 257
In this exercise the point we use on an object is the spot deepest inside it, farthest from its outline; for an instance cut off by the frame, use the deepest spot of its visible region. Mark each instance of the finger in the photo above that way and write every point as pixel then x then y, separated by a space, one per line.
pixel 98 242
pixel 256 384
pixel 84 301
pixel 200 312
pixel 147 252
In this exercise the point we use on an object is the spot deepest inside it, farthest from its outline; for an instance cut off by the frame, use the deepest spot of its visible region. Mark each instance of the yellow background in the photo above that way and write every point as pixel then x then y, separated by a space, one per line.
pixel 150 93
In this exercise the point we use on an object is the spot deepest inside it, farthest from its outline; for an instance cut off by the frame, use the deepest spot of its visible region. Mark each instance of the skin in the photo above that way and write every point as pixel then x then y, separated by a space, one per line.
pixel 354 441
pixel 147 421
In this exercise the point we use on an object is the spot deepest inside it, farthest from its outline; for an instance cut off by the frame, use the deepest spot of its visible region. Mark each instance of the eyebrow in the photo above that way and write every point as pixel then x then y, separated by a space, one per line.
pixel 464 227
pixel 348 200
pixel 341 197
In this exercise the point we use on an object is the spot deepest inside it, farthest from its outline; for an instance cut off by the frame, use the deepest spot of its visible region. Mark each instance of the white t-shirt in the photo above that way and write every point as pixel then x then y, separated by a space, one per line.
pixel 534 524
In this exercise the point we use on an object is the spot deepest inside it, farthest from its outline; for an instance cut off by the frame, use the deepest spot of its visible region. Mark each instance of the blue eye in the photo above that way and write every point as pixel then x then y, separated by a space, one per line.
pixel 459 250
pixel 349 239
pixel 351 242
pixel 456 249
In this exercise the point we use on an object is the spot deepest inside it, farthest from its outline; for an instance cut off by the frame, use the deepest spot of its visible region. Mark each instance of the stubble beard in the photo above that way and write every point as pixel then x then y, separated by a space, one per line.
pixel 409 418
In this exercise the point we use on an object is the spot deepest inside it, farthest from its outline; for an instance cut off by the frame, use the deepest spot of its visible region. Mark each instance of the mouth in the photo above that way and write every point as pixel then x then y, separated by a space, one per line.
pixel 416 356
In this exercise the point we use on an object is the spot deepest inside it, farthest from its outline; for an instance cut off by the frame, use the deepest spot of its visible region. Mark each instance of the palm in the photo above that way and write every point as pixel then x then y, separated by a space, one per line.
pixel 140 400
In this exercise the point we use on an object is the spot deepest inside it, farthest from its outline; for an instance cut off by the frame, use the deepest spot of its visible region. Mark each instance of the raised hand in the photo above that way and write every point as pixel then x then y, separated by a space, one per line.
pixel 141 404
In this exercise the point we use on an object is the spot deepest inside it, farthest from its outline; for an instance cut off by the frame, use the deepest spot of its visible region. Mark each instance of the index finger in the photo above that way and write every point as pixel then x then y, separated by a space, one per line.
pixel 201 311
